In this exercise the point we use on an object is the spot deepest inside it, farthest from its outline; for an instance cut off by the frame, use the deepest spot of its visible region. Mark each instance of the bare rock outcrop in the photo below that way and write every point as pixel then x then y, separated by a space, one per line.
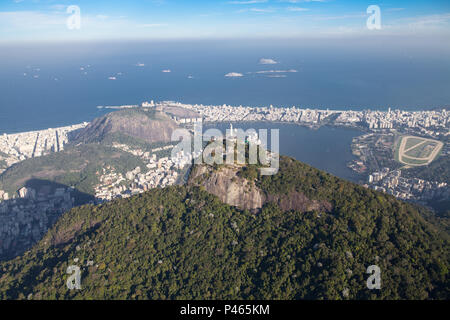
pixel 228 186
pixel 225 183
pixel 150 126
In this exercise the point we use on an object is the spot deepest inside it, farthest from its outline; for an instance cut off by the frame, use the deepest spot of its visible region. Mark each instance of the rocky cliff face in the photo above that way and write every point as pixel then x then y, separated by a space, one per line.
pixel 148 126
pixel 225 183
pixel 228 186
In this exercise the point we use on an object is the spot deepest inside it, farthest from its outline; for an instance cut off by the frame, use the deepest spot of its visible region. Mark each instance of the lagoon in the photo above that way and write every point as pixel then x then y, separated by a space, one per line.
pixel 327 148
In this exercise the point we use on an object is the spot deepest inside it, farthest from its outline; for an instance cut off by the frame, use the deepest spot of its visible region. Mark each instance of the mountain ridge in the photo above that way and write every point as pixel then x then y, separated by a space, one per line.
pixel 149 126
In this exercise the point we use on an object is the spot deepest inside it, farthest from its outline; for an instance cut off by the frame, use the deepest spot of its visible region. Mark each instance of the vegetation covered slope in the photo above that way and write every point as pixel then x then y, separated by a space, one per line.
pixel 184 243
pixel 76 166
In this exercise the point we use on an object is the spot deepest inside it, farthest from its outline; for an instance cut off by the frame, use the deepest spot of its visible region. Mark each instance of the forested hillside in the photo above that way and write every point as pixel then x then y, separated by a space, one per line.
pixel 184 243
pixel 75 166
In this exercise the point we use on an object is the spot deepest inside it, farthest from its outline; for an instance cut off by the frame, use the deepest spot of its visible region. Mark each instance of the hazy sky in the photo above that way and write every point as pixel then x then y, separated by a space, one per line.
pixel 37 20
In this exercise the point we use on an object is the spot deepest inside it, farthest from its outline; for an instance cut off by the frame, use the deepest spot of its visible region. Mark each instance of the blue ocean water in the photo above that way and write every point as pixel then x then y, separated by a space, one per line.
pixel 43 85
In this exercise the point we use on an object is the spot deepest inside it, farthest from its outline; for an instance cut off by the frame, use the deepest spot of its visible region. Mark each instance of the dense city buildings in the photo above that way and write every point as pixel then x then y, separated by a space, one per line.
pixel 159 172
pixel 20 146
pixel 26 218
pixel 418 190
pixel 431 123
